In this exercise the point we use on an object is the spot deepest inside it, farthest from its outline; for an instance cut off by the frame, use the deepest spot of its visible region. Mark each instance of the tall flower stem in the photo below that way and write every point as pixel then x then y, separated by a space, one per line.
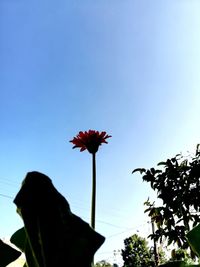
pixel 93 207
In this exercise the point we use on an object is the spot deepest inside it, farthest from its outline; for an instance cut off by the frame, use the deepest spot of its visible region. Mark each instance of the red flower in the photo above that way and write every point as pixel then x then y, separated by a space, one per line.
pixel 90 140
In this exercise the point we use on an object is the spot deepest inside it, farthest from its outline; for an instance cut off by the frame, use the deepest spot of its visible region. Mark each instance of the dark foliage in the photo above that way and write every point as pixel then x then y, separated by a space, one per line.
pixel 178 185
pixel 52 234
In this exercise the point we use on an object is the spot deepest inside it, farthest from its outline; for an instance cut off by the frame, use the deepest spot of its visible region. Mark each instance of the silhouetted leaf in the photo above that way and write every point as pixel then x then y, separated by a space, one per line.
pixel 7 254
pixel 54 233
pixel 141 170
pixel 162 163
pixel 19 239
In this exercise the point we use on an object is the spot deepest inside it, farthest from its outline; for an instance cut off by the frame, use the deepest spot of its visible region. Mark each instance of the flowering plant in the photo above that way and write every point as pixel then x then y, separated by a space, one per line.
pixel 91 140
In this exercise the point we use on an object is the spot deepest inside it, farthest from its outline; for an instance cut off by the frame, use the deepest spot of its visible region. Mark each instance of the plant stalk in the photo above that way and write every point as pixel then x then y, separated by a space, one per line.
pixel 93 207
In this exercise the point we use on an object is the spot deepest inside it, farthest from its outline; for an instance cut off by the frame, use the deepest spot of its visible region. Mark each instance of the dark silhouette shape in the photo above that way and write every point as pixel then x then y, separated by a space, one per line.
pixel 7 254
pixel 56 236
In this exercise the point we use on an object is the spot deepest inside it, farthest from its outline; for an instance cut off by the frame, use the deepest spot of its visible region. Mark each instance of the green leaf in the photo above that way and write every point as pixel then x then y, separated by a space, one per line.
pixel 7 254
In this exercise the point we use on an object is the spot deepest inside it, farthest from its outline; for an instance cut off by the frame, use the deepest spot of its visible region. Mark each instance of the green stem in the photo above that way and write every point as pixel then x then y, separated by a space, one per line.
pixel 93 191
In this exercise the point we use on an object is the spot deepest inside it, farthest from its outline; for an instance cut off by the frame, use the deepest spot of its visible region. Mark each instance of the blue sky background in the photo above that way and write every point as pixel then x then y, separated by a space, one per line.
pixel 131 68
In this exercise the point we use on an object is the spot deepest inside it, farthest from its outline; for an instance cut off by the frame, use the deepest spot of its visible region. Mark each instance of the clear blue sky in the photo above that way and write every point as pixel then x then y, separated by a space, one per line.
pixel 131 68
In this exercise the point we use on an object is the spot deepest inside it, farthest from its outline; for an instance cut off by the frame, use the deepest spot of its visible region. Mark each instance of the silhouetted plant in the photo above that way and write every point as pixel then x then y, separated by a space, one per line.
pixel 178 186
pixel 91 140
pixel 52 234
